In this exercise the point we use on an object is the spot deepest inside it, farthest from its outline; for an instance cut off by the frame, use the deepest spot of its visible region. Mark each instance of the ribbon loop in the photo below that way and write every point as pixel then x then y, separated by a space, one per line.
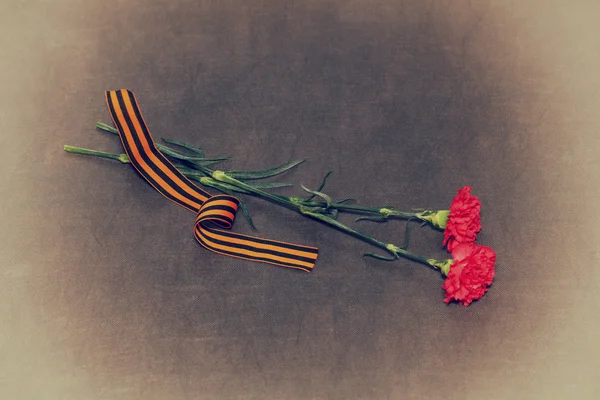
pixel 220 210
pixel 211 211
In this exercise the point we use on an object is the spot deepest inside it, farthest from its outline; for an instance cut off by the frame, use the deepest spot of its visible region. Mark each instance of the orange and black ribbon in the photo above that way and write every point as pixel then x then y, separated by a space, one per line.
pixel 211 211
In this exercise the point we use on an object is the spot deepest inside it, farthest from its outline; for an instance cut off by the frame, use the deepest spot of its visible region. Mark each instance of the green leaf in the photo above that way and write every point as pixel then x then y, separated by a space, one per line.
pixel 269 185
pixel 181 156
pixel 346 201
pixel 187 146
pixel 243 207
pixel 246 213
pixel 208 163
pixel 189 172
pixel 206 180
pixel 266 173
pixel 222 186
pixel 321 186
pixel 317 193
pixel 205 162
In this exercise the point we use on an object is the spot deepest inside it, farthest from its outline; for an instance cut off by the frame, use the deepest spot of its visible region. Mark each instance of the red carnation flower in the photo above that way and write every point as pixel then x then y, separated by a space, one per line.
pixel 463 222
pixel 471 272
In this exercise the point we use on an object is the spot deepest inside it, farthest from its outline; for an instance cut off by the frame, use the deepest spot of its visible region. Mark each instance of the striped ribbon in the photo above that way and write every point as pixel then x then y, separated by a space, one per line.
pixel 211 211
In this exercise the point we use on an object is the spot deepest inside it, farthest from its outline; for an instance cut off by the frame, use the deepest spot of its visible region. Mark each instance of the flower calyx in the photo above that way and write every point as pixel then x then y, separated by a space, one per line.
pixel 219 176
pixel 444 266
pixel 437 219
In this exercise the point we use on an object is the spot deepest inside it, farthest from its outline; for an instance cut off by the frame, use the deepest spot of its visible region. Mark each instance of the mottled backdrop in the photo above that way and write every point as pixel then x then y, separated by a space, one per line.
pixel 104 293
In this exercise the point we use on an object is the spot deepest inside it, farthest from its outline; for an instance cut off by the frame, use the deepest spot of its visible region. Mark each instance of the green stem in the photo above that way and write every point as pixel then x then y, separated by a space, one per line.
pixel 307 211
pixel 346 229
pixel 394 250
pixel 106 128
pixel 223 177
pixel 80 150
pixel 383 211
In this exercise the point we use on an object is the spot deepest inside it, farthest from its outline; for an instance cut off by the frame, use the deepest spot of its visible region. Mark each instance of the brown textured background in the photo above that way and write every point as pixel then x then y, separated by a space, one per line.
pixel 104 293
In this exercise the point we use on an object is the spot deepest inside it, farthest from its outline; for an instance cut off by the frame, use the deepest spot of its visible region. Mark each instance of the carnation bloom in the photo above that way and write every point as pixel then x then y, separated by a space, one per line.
pixel 470 274
pixel 463 222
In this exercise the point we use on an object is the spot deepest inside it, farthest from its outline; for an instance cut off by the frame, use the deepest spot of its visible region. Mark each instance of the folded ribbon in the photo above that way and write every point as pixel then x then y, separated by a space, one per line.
pixel 211 210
